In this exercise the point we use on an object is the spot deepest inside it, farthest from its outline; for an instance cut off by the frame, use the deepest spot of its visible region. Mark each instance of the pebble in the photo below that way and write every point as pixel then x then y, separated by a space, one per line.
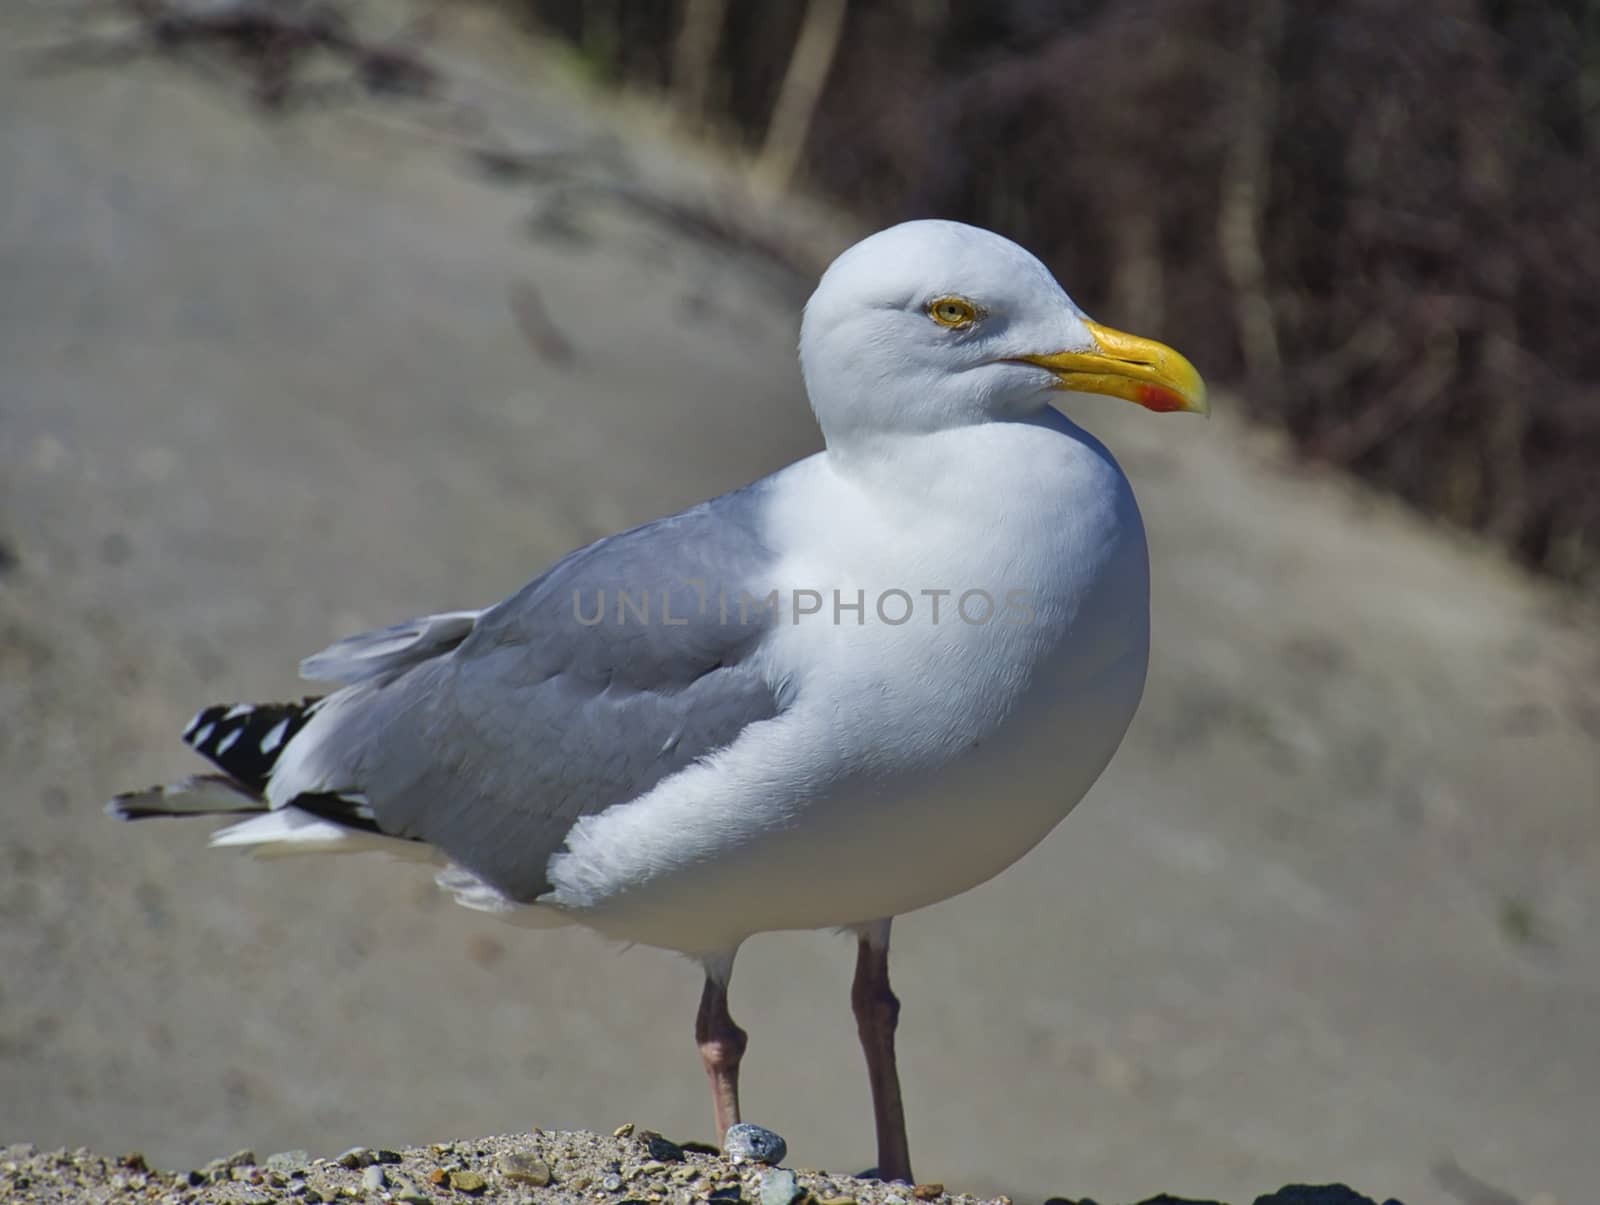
pixel 356 1156
pixel 928 1192
pixel 612 1183
pixel 524 1169
pixel 662 1149
pixel 373 1179
pixel 747 1143
pixel 836 1201
pixel 779 1188
pixel 385 1155
pixel 408 1193
pixel 288 1161
pixel 470 1183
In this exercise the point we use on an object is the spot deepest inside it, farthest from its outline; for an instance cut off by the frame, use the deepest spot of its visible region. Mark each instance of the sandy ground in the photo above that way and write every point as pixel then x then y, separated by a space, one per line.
pixel 1331 915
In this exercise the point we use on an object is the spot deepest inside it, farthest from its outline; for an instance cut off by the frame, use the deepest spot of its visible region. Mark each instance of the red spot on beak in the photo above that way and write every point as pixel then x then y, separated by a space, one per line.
pixel 1162 401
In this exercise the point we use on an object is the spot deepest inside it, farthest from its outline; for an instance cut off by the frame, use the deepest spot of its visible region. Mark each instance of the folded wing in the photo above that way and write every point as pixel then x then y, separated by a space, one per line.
pixel 488 734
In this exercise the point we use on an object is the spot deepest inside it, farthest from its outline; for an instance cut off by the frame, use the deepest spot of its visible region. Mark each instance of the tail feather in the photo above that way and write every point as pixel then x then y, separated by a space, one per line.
pixel 292 830
pixel 201 795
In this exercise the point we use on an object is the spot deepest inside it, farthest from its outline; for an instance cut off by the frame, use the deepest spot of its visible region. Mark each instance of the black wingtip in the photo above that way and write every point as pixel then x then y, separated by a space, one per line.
pixel 246 739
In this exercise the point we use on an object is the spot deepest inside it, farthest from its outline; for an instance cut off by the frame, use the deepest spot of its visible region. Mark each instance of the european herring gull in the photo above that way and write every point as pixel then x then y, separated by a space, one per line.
pixel 856 687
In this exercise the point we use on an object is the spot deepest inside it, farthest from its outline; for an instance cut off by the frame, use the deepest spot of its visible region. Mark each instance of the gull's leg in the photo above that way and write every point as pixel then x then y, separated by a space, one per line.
pixel 721 1042
pixel 877 1013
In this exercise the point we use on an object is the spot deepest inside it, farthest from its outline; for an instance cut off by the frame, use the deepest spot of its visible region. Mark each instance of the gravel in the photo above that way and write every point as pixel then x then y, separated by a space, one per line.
pixel 521 1169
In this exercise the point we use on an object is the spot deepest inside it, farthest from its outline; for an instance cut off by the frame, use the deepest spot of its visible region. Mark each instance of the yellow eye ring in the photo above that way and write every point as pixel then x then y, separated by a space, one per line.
pixel 953 312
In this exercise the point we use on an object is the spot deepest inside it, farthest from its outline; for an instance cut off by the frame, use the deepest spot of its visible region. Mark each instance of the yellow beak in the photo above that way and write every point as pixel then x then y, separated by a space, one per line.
pixel 1126 366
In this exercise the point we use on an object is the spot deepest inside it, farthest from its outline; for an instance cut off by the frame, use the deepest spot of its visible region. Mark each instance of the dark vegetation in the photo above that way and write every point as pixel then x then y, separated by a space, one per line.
pixel 272 42
pixel 1378 219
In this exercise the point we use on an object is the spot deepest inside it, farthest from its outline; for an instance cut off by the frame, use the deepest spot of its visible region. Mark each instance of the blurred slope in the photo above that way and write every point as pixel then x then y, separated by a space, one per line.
pixel 1332 914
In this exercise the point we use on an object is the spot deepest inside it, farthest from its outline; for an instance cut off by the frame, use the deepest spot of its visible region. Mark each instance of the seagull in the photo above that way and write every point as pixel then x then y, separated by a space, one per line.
pixel 851 689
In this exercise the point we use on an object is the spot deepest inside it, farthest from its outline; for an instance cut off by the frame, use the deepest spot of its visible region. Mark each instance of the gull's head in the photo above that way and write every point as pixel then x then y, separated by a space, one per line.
pixel 930 324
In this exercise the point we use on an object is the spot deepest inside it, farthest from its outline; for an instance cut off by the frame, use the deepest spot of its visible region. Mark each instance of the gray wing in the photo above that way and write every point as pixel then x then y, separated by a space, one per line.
pixel 489 736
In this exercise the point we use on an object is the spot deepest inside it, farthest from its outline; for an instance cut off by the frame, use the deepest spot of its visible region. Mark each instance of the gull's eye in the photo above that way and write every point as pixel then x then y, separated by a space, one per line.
pixel 954 312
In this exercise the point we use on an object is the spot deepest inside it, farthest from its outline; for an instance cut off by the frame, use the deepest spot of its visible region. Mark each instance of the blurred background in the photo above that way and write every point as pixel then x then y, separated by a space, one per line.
pixel 1371 214
pixel 316 314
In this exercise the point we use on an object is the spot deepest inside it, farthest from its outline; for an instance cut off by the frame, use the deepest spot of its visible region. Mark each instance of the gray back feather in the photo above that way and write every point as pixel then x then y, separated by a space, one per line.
pixel 489 735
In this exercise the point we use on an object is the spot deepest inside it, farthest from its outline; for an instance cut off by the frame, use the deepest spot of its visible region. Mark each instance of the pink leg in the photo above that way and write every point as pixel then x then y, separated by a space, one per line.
pixel 877 1014
pixel 722 1045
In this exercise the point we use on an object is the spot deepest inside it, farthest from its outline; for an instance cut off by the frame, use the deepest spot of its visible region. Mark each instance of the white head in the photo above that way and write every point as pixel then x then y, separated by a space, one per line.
pixel 929 325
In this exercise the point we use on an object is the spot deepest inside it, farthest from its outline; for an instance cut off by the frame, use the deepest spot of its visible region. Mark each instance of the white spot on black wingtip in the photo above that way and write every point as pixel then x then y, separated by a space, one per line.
pixel 274 738
pixel 237 710
pixel 359 802
pixel 199 716
pixel 228 741
pixel 203 735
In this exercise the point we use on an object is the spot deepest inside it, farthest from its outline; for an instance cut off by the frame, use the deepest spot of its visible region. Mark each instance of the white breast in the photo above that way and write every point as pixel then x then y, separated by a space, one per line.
pixel 918 758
